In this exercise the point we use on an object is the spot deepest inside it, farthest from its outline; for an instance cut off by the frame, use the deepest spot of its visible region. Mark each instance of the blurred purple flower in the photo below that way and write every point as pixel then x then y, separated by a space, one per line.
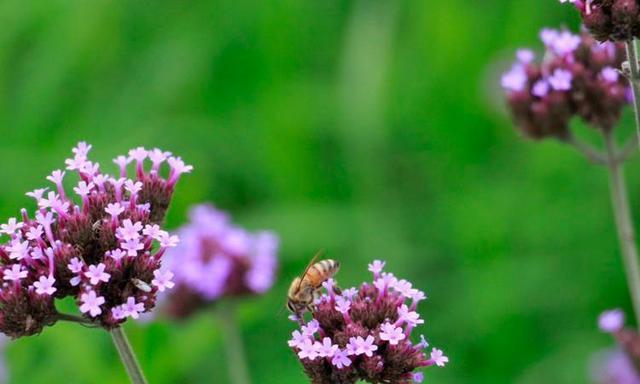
pixel 216 258
pixel 614 20
pixel 614 367
pixel 618 366
pixel 576 77
pixel 611 321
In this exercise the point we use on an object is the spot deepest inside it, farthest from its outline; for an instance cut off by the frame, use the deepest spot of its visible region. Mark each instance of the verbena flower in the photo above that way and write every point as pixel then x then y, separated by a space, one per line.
pixel 621 365
pixel 614 20
pixel 216 258
pixel 576 77
pixel 614 367
pixel 90 244
pixel 365 334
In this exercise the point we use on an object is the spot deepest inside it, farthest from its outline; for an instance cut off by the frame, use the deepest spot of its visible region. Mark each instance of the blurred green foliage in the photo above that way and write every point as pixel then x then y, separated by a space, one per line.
pixel 370 128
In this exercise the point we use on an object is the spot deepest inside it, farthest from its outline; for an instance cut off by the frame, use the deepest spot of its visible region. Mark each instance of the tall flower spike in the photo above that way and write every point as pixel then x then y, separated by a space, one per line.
pixel 214 259
pixel 365 335
pixel 90 246
pixel 576 78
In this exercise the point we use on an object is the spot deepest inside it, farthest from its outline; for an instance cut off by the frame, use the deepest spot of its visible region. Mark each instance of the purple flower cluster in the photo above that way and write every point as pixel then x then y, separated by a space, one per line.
pixel 104 247
pixel 216 258
pixel 577 77
pixel 620 366
pixel 614 367
pixel 614 20
pixel 364 334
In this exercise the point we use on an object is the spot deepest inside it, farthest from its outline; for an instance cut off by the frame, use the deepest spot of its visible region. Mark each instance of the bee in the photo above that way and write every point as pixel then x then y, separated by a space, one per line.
pixel 305 289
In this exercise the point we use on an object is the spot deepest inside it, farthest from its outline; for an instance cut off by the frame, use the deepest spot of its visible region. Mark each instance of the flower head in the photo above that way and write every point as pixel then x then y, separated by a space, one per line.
pixel 575 78
pixel 361 331
pixel 132 308
pixel 363 346
pixel 213 258
pixel 44 285
pixel 326 348
pixel 342 305
pixel 297 339
pixel 376 267
pixel 97 274
pixel 391 333
pixel 438 358
pixel 15 273
pixel 91 303
pixel 308 350
pixel 341 359
pixel 88 245
pixel 162 280
pixel 614 366
pixel 11 227
pixel 613 20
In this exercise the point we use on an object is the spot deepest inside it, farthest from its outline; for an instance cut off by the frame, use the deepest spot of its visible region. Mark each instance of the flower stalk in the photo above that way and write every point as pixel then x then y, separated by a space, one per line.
pixel 634 78
pixel 580 76
pixel 127 356
pixel 236 357
pixel 624 222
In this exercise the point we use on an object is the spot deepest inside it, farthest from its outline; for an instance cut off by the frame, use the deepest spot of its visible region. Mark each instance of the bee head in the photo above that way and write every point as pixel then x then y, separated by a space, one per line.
pixel 296 307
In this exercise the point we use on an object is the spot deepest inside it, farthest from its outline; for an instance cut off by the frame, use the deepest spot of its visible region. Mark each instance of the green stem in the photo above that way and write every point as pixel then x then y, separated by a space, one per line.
pixel 624 223
pixel 634 79
pixel 592 154
pixel 127 356
pixel 237 362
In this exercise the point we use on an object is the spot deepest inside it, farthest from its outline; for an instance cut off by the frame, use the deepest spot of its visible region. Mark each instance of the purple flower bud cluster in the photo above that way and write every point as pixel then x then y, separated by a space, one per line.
pixel 577 77
pixel 614 367
pixel 621 365
pixel 613 20
pixel 216 258
pixel 365 334
pixel 103 246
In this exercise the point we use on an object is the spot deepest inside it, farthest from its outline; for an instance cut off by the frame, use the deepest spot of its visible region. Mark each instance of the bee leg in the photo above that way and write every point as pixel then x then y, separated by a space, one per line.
pixel 311 308
pixel 337 289
pixel 316 295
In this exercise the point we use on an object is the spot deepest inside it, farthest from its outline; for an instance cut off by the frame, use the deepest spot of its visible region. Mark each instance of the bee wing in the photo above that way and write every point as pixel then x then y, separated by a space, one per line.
pixel 313 261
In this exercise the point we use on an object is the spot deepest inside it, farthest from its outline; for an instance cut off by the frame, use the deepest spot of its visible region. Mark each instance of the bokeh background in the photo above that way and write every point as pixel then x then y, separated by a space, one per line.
pixel 370 128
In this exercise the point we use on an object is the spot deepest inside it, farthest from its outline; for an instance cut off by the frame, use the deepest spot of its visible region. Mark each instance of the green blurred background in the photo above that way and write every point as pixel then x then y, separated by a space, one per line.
pixel 370 128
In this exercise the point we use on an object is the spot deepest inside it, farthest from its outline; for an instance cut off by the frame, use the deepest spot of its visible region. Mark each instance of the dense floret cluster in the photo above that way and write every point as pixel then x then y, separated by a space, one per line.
pixel 104 246
pixel 577 77
pixel 365 334
pixel 613 20
pixel 216 258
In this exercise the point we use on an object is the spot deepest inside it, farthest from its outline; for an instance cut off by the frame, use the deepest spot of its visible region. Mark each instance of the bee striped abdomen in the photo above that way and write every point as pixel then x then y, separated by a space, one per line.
pixel 303 289
pixel 321 271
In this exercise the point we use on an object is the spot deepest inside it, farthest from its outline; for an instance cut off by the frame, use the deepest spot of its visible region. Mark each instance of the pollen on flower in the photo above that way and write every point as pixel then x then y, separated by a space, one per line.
pixel 89 244
pixel 365 334
pixel 213 259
